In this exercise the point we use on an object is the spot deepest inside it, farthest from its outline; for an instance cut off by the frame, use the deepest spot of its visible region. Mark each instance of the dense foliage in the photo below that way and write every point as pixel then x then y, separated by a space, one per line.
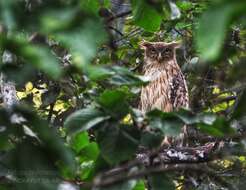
pixel 76 68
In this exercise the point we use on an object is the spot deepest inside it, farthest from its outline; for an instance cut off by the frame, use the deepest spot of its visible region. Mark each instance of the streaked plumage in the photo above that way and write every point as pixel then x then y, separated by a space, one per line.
pixel 167 89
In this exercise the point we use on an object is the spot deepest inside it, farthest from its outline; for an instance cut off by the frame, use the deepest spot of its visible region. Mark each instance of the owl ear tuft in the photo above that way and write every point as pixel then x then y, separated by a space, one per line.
pixel 175 45
pixel 144 44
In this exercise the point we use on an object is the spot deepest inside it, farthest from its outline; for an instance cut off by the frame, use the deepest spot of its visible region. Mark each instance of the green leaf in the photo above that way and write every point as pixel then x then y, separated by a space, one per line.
pixel 51 142
pixel 96 73
pixel 114 75
pixel 145 15
pixel 241 107
pixel 4 119
pixel 171 123
pixel 213 27
pixel 77 30
pixel 79 141
pixel 87 159
pixel 49 97
pixel 110 140
pixel 168 123
pixel 151 139
pixel 37 55
pixel 185 5
pixel 114 102
pixel 190 118
pixel 84 119
pixel 7 14
pixel 86 168
pixel 31 163
pixel 123 76
pixel 57 20
pixel 90 6
pixel 139 186
pixel 5 144
pixel 83 41
pixel 126 185
pixel 25 72
pixel 42 58
pixel 219 128
pixel 160 182
pixel 89 152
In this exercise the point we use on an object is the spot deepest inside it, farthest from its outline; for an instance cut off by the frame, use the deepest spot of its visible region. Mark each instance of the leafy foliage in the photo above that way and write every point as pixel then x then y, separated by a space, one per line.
pixel 76 68
pixel 213 27
pixel 146 16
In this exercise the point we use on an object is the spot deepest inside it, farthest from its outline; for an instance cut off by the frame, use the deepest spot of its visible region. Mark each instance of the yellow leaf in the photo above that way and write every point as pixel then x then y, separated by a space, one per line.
pixel 127 119
pixel 29 86
pixel 216 90
pixel 59 106
pixel 21 95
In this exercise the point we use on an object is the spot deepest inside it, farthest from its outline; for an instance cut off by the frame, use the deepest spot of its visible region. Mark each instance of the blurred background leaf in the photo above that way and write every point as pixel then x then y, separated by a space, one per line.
pixel 213 27
pixel 77 67
pixel 146 16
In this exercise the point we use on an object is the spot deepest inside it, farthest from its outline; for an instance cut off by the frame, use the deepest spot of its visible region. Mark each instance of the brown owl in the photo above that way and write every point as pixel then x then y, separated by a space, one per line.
pixel 167 89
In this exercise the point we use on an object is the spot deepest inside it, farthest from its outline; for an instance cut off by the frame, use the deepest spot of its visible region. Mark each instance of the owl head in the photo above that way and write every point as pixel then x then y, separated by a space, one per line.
pixel 159 51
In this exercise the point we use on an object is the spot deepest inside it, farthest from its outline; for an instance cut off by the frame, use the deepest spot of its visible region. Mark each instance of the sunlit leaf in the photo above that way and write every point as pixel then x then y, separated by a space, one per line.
pixel 87 157
pixel 175 12
pixel 89 152
pixel 79 141
pixel 139 186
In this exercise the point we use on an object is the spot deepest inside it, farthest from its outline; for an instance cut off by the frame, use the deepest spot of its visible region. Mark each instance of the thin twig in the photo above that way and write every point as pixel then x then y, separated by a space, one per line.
pixel 117 31
pixel 123 14
pixel 225 99
pixel 51 110
pixel 132 33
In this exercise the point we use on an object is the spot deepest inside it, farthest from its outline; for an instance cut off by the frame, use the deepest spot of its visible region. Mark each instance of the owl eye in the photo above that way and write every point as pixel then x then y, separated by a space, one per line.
pixel 167 50
pixel 152 50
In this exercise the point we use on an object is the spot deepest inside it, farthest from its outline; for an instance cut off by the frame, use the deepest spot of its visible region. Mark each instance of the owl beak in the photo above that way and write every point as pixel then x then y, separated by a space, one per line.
pixel 159 58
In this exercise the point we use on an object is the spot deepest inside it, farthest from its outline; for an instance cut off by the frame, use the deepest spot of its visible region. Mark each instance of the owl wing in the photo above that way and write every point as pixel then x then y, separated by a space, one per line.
pixel 179 93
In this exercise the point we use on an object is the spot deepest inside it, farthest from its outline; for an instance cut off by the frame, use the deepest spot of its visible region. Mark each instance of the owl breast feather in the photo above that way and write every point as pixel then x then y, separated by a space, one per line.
pixel 166 91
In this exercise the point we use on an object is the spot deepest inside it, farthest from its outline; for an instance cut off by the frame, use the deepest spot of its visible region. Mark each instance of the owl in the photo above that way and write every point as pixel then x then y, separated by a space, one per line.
pixel 167 89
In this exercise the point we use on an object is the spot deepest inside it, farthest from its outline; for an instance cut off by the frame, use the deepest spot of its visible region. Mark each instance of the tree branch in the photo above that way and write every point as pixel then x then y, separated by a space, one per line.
pixel 123 14
pixel 101 181
pixel 167 159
